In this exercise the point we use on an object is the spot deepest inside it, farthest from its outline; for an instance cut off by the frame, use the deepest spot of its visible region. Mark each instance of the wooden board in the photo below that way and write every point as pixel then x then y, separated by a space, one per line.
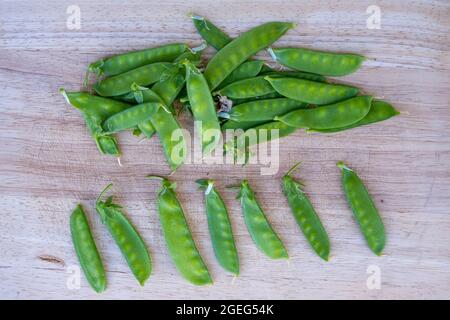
pixel 48 162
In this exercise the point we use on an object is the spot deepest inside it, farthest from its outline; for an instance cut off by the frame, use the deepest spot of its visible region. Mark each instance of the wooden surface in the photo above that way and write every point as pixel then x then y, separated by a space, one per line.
pixel 48 162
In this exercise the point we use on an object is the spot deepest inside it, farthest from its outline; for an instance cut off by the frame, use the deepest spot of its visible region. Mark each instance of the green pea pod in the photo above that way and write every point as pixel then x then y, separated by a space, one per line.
pixel 336 115
pixel 169 89
pixel 165 124
pixel 363 209
pixel 311 91
pixel 248 69
pixel 234 125
pixel 259 134
pixel 121 83
pixel 210 33
pixel 171 136
pixel 126 97
pixel 105 144
pixel 305 215
pixel 126 237
pixel 86 250
pixel 295 74
pixel 379 111
pixel 324 63
pixel 272 95
pixel 247 88
pixel 203 108
pixel 131 60
pixel 143 95
pixel 220 227
pixel 181 245
pixel 262 110
pixel 131 117
pixel 240 49
pixel 95 110
pixel 258 226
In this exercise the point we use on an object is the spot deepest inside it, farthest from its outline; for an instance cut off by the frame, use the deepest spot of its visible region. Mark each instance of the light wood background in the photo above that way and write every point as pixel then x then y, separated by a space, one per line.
pixel 48 162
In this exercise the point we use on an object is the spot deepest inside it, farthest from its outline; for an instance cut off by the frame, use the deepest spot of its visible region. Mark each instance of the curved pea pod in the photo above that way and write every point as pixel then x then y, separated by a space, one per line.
pixel 220 227
pixel 247 88
pixel 210 33
pixel 240 49
pixel 363 209
pixel 131 60
pixel 324 63
pixel 336 115
pixel 379 111
pixel 121 83
pixel 296 74
pixel 126 237
pixel 131 117
pixel 310 91
pixel 181 245
pixel 306 216
pixel 168 89
pixel 262 110
pixel 203 108
pixel 248 69
pixel 86 250
pixel 258 226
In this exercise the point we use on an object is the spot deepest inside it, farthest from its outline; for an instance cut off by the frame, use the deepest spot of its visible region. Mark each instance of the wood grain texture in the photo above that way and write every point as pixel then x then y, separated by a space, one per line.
pixel 48 162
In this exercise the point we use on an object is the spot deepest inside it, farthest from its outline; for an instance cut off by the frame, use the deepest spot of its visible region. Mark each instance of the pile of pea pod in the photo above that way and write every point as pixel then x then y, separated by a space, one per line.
pixel 138 92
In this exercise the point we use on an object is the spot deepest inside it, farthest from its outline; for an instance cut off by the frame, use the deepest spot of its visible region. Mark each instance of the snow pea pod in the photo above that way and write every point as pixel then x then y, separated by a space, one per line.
pixel 379 111
pixel 295 74
pixel 105 144
pixel 305 215
pixel 262 110
pixel 181 245
pixel 240 49
pixel 131 60
pixel 203 108
pixel 95 110
pixel 220 227
pixel 272 95
pixel 248 69
pixel 86 250
pixel 210 33
pixel 258 226
pixel 121 83
pixel 259 134
pixel 142 95
pixel 131 117
pixel 324 63
pixel 336 115
pixel 311 91
pixel 247 88
pixel 234 125
pixel 363 209
pixel 165 124
pixel 126 237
